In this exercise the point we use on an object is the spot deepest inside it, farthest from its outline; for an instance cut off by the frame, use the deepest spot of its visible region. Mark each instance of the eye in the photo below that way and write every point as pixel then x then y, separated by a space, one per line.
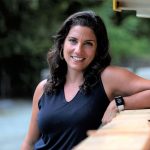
pixel 88 43
pixel 72 41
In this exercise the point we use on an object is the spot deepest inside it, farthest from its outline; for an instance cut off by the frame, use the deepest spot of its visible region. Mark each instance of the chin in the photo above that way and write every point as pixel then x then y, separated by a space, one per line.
pixel 78 69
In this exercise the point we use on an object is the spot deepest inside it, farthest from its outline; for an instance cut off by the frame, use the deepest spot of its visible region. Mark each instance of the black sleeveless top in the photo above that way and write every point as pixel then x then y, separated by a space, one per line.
pixel 64 124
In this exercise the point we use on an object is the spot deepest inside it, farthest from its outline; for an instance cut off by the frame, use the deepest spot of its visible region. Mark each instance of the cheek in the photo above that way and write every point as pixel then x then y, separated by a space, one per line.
pixel 65 49
pixel 68 49
pixel 66 53
pixel 91 58
pixel 92 54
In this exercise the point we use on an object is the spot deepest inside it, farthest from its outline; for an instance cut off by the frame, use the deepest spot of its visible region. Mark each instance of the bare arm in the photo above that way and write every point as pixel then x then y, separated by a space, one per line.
pixel 139 100
pixel 119 81
pixel 134 89
pixel 33 132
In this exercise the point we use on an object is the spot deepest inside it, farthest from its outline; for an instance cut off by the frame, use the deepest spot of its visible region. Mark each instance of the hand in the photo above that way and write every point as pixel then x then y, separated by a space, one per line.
pixel 110 113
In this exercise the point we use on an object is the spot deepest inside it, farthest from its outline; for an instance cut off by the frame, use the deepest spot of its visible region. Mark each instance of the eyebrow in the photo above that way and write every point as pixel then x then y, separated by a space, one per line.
pixel 90 40
pixel 85 40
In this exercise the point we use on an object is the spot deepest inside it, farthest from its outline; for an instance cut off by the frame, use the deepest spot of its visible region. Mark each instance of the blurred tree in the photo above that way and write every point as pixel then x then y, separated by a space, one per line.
pixel 26 27
pixel 129 36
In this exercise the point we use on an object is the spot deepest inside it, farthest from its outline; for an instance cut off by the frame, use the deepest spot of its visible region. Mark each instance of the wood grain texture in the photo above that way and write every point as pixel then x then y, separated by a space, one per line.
pixel 129 130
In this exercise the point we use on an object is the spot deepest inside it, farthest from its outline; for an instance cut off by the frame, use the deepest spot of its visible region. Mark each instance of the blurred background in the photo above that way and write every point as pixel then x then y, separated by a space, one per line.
pixel 26 28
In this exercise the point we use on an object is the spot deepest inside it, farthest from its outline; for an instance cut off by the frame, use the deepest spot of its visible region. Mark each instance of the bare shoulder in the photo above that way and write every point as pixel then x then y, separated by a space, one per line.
pixel 41 84
pixel 115 72
pixel 112 69
pixel 39 90
pixel 121 81
pixel 115 80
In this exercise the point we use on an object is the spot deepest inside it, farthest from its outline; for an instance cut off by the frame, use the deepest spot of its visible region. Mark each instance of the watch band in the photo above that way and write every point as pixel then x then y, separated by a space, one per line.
pixel 120 103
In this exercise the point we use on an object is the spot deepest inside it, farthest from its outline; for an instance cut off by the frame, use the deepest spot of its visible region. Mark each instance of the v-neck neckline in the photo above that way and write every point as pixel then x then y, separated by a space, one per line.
pixel 73 99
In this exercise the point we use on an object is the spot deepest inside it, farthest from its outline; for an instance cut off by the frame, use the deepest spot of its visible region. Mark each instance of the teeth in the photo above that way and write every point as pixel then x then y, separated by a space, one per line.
pixel 77 58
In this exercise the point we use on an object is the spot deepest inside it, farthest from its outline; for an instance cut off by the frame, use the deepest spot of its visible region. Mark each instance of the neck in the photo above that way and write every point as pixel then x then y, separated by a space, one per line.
pixel 74 77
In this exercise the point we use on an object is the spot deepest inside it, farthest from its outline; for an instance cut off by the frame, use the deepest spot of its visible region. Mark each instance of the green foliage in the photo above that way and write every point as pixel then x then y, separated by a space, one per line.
pixel 126 41
pixel 129 35
pixel 26 28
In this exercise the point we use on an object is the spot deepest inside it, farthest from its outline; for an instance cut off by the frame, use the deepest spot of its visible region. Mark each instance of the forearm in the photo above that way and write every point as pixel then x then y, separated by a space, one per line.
pixel 139 100
pixel 26 146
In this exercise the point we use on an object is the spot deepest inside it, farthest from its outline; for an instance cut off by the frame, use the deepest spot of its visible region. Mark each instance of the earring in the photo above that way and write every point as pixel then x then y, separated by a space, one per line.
pixel 61 54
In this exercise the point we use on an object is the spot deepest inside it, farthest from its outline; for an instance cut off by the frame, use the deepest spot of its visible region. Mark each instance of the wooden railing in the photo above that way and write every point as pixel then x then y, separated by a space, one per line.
pixel 129 130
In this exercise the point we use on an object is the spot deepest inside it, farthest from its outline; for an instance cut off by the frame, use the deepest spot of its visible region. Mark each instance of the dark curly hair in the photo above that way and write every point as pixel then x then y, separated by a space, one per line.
pixel 58 66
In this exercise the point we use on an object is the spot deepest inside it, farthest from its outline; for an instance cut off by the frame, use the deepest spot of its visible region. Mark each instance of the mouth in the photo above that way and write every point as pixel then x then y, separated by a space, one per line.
pixel 75 58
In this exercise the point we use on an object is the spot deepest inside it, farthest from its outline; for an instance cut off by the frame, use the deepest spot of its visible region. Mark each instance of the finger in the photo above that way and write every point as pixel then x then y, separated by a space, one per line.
pixel 91 132
pixel 108 117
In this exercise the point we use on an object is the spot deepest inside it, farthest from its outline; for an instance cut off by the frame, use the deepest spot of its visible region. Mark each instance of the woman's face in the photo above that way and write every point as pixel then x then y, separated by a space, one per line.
pixel 79 47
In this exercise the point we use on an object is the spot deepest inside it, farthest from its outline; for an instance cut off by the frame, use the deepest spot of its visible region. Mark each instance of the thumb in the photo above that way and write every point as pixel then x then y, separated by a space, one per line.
pixel 91 132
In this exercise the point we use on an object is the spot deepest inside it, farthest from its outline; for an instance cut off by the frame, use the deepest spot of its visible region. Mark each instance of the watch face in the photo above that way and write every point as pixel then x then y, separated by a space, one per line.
pixel 119 100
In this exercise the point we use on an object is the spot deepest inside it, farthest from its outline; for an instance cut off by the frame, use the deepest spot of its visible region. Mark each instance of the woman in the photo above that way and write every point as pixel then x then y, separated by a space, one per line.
pixel 80 92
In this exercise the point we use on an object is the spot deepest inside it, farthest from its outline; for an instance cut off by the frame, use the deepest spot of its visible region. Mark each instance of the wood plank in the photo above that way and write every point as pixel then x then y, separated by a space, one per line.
pixel 129 130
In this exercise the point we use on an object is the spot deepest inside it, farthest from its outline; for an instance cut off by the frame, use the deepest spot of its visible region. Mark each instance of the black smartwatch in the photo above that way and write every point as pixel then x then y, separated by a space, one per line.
pixel 120 103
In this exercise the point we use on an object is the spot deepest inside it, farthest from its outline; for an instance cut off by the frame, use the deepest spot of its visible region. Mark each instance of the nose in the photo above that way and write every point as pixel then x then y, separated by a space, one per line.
pixel 78 49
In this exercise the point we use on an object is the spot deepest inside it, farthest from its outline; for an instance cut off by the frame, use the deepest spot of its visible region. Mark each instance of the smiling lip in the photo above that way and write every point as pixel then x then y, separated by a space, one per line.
pixel 75 58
